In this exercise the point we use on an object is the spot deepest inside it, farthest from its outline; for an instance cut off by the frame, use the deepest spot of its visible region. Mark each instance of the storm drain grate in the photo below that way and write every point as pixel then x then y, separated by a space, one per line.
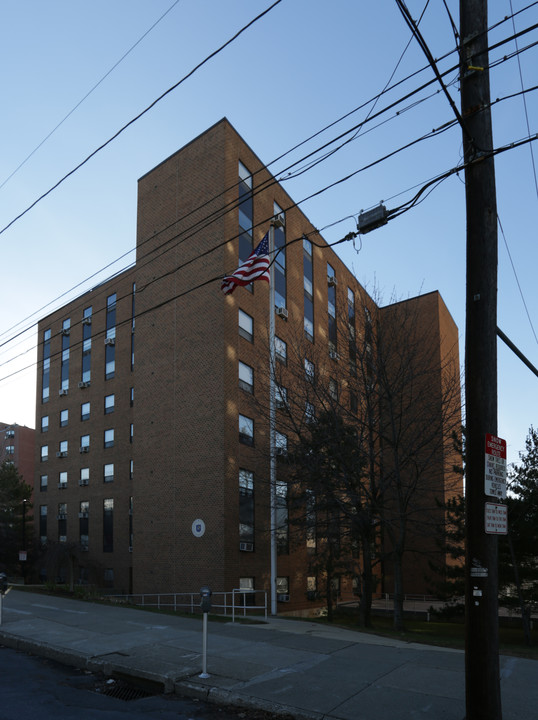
pixel 123 690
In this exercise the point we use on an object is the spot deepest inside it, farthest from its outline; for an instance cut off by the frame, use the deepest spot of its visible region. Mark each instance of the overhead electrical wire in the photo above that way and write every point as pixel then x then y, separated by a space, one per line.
pixel 143 112
pixel 234 205
pixel 303 142
pixel 87 95
pixel 273 161
pixel 347 237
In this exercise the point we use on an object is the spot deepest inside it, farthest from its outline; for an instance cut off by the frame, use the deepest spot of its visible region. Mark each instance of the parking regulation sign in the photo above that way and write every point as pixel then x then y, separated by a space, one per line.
pixel 495 468
pixel 496 519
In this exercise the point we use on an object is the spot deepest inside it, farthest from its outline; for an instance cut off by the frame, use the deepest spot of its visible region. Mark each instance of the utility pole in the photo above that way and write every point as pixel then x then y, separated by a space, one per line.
pixel 482 679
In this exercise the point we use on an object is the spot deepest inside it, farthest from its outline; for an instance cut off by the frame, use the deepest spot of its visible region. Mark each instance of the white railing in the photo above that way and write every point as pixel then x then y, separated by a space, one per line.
pixel 236 603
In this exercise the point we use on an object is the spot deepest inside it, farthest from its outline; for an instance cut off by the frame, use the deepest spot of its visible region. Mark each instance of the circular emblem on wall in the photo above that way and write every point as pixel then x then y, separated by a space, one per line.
pixel 198 528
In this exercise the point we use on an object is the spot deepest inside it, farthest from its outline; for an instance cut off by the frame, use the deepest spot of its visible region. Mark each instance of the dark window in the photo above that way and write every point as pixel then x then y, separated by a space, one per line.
pixel 246 430
pixel 246 506
pixel 108 525
pixel 45 379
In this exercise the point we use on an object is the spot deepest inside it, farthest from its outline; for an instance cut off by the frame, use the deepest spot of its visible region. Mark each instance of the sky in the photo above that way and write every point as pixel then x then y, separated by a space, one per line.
pixel 73 74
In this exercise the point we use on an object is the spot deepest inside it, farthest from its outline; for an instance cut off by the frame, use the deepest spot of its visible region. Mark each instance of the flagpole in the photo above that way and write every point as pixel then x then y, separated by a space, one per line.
pixel 272 417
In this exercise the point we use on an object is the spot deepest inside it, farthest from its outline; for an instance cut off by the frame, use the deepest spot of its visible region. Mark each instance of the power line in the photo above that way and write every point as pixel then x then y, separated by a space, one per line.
pixel 354 129
pixel 141 114
pixel 87 95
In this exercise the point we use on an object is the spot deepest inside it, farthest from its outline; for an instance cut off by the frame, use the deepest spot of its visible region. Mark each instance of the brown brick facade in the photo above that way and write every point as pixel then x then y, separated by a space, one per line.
pixel 185 449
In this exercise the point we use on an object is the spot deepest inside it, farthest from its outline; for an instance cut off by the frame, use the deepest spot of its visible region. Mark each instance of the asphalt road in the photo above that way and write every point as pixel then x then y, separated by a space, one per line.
pixel 33 688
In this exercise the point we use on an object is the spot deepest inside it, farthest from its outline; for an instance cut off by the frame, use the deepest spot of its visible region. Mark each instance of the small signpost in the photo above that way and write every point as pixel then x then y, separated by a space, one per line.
pixel 495 514
pixel 496 519
pixel 495 473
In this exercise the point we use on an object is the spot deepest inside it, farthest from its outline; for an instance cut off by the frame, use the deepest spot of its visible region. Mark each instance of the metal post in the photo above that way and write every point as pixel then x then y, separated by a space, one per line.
pixel 272 420
pixel 482 676
pixel 204 674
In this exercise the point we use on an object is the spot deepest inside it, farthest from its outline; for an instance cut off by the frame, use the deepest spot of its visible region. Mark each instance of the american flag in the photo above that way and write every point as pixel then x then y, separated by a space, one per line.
pixel 256 267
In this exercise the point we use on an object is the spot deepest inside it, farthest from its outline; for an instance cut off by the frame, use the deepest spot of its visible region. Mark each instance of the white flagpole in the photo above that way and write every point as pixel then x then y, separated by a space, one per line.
pixel 272 417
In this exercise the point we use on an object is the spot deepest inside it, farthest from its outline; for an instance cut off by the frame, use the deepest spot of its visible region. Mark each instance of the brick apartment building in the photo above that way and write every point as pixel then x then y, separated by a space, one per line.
pixel 153 387
pixel 17 446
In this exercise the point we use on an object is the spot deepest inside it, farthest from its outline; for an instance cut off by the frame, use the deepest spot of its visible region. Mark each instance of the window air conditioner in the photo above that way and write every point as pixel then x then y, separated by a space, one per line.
pixel 83 482
pixel 246 546
pixel 84 448
pixel 283 598
pixel 61 453
pixel 87 321
pixel 65 331
pixel 83 515
pixel 110 341
pixel 62 486
pixel 333 354
pixel 84 384
pixel 282 312
pixel 331 281
pixel 63 391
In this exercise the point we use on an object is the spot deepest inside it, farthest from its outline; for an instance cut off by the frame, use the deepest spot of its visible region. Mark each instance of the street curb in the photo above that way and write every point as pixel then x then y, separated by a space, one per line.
pixel 220 696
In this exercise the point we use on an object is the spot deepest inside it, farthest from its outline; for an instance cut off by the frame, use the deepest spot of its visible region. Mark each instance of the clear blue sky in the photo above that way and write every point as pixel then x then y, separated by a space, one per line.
pixel 301 67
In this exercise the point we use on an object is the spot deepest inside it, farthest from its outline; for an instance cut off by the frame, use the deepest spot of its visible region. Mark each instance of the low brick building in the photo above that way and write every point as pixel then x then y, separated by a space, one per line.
pixel 153 388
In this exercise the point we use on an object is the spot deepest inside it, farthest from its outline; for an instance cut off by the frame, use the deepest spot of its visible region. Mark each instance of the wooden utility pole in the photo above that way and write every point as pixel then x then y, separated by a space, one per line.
pixel 483 696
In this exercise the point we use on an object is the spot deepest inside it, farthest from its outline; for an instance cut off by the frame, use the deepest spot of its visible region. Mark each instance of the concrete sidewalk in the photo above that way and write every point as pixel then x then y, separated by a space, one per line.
pixel 304 669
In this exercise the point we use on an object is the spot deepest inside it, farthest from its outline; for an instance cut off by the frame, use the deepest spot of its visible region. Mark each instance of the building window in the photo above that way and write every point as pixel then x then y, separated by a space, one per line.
pixel 310 522
pixel 10 450
pixel 331 308
pixel 109 404
pixel 109 438
pixel 245 214
pixel 281 444
pixel 131 432
pixel 131 469
pixel 246 509
pixel 110 338
pixel 280 258
pixel 133 314
pixel 246 584
pixel 45 378
pixel 108 577
pixel 85 411
pixel 63 448
pixel 86 345
pixel 131 524
pixel 62 480
pixel 64 418
pixel 44 423
pixel 246 326
pixel 333 389
pixel 309 412
pixel 352 331
pixel 282 588
pixel 64 364
pixel 43 483
pixel 281 397
pixel 246 430
pixel 44 452
pixel 281 350
pixel 83 515
pixel 84 443
pixel 108 472
pixel 308 279
pixel 312 587
pixel 246 377
pixel 108 525
pixel 62 522
pixel 131 397
pixel 84 476
pixel 43 524
pixel 309 370
pixel 282 529
pixel 353 403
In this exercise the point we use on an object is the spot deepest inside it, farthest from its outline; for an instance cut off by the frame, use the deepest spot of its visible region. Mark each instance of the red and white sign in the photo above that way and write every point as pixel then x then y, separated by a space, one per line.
pixel 495 468
pixel 496 519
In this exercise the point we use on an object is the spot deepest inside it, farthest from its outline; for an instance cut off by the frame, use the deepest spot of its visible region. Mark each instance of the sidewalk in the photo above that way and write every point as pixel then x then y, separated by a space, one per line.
pixel 307 670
